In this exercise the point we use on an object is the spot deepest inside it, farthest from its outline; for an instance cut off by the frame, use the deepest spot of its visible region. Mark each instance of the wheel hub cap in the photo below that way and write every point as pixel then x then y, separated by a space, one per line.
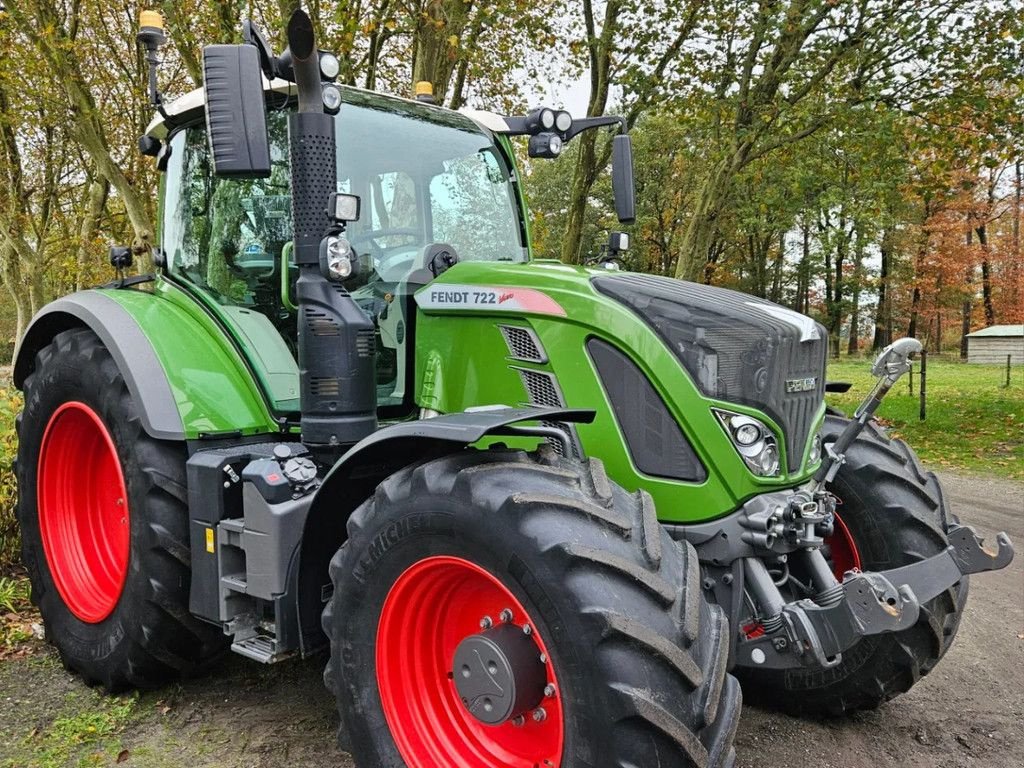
pixel 499 674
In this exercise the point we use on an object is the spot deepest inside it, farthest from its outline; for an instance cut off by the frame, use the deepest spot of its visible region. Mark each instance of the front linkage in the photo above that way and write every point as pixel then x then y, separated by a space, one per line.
pixel 790 527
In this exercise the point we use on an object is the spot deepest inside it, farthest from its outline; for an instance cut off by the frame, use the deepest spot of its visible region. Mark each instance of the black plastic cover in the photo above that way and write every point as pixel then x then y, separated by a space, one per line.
pixel 736 348
pixel 236 118
pixel 655 442
pixel 337 348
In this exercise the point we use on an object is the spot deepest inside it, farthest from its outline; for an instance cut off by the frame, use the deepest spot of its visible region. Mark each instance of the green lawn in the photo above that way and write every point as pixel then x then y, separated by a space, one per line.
pixel 973 422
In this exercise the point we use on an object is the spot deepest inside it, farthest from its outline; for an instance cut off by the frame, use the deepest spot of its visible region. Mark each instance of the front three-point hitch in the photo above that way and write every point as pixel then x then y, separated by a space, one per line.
pixel 780 530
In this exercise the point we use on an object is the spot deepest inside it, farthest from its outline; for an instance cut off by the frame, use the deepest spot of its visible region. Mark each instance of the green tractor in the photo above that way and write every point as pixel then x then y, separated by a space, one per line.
pixel 540 514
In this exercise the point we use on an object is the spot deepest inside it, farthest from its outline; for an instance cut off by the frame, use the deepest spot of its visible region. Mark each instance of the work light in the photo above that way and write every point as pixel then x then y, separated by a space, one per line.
pixel 339 258
pixel 545 145
pixel 540 119
pixel 329 66
pixel 332 98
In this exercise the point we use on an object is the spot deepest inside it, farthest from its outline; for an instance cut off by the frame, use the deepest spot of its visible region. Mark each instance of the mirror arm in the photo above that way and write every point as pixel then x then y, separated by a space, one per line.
pixel 588 123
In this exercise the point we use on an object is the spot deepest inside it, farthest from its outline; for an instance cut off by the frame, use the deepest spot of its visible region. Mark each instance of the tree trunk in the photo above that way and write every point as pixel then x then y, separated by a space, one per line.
pixel 803 298
pixel 780 259
pixel 90 226
pixel 585 173
pixel 702 229
pixel 858 257
pixel 986 277
pixel 968 305
pixel 10 274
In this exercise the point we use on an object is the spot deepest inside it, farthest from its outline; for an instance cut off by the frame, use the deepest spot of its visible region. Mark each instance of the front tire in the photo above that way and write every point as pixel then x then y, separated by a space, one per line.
pixel 104 522
pixel 892 514
pixel 634 655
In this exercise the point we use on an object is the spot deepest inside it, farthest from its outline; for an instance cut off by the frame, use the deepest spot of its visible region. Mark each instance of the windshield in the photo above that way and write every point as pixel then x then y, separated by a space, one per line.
pixel 425 176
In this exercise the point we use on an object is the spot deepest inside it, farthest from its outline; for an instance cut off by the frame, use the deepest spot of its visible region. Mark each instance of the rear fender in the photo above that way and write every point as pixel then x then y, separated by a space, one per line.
pixel 354 477
pixel 124 339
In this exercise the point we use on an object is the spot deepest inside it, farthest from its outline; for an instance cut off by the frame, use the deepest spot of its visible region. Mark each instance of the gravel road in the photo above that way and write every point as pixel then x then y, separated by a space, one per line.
pixel 968 713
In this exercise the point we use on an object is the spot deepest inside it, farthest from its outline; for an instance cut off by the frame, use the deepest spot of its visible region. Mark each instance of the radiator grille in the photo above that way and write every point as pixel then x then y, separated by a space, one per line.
pixel 541 388
pixel 523 344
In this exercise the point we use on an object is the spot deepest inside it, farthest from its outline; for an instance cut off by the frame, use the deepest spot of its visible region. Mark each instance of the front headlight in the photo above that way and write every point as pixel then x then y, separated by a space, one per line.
pixel 753 441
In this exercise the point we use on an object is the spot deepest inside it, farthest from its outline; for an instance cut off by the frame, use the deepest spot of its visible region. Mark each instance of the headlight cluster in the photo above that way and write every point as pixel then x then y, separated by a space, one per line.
pixel 754 442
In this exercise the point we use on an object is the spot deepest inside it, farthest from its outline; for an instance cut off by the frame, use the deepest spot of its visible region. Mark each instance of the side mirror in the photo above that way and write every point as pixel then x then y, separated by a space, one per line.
pixel 623 185
pixel 236 116
pixel 894 360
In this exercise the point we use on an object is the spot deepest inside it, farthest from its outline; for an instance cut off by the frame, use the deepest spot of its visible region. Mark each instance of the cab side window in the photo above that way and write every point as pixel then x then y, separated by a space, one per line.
pixel 226 236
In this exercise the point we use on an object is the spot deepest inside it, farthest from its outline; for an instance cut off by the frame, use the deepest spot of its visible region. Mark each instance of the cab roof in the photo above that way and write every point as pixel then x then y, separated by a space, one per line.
pixel 189 107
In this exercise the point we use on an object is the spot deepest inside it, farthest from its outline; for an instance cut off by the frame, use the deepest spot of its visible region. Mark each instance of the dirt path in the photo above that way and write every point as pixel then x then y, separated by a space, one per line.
pixel 969 713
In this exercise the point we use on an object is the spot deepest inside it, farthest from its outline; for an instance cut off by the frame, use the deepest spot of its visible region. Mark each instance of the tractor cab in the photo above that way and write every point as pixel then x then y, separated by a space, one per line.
pixel 431 183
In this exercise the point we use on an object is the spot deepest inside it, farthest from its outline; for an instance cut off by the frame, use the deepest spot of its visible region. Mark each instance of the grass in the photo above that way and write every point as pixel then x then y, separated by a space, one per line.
pixel 16 615
pixel 973 423
pixel 86 732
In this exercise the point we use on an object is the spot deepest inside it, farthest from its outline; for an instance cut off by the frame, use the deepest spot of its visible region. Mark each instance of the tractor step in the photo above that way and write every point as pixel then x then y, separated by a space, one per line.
pixel 261 648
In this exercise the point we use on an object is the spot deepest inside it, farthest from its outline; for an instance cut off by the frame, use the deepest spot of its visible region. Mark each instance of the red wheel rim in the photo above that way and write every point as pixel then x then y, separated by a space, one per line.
pixel 430 609
pixel 83 511
pixel 845 555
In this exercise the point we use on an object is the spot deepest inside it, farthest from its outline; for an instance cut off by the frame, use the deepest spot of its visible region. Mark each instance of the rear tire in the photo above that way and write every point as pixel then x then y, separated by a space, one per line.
pixel 638 654
pixel 896 515
pixel 121 622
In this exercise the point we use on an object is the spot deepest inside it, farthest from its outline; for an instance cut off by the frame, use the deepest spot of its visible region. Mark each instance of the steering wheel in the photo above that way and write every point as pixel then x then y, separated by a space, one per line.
pixel 371 236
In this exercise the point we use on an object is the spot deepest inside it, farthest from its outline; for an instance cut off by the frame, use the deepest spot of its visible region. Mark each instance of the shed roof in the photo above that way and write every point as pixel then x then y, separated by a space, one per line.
pixel 1000 330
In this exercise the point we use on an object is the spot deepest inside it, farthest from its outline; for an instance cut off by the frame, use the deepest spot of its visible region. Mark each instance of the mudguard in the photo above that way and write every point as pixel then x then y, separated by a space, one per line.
pixel 354 477
pixel 127 344
pixel 177 363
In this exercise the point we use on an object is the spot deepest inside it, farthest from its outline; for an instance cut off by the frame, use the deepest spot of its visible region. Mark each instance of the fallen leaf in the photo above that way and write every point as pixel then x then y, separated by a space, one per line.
pixel 122 756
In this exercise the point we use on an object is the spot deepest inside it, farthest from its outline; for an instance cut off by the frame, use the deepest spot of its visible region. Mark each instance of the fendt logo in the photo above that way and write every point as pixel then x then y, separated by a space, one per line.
pixel 801 385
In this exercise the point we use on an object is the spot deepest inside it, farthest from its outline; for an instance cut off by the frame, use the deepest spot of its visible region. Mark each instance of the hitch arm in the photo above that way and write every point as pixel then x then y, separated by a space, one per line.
pixel 966 554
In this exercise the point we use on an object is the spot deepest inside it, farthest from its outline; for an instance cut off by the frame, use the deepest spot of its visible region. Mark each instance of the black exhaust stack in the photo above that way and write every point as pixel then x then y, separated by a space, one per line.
pixel 337 341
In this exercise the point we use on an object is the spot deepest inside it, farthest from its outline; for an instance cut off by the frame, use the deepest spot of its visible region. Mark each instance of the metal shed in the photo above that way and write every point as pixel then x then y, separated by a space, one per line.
pixel 993 344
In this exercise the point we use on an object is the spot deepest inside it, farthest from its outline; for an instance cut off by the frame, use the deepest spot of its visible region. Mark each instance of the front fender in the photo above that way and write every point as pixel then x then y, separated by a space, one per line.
pixel 355 475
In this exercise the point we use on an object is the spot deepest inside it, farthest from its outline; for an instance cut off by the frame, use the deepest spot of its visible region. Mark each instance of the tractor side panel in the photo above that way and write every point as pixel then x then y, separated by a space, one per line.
pixel 465 358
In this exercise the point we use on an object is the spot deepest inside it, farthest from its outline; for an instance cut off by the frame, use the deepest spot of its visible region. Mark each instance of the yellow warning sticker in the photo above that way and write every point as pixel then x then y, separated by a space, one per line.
pixel 209 540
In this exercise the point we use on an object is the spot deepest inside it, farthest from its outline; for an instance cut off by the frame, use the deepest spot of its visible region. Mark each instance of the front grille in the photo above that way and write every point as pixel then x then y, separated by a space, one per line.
pixel 735 347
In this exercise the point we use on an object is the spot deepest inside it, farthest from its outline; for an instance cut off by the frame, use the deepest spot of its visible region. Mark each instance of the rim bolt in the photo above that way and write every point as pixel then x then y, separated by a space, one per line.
pixel 527 629
pixel 549 690
pixel 518 721
pixel 506 615
pixel 486 623
pixel 539 714
pixel 543 658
